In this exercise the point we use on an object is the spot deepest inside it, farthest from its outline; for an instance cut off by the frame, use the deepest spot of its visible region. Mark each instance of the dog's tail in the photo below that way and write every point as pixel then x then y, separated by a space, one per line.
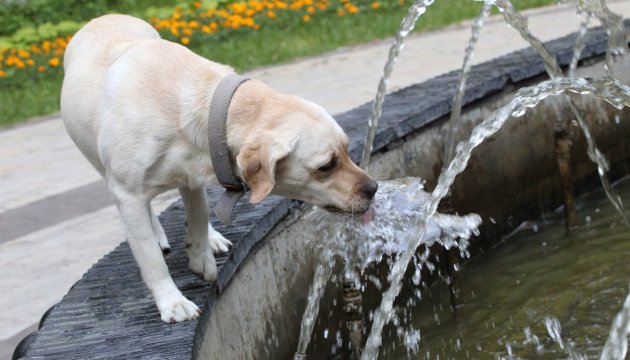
pixel 105 38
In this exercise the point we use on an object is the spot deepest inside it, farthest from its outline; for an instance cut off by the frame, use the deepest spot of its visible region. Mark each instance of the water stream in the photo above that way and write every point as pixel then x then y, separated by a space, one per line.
pixel 456 109
pixel 519 22
pixel 606 89
pixel 406 26
pixel 541 294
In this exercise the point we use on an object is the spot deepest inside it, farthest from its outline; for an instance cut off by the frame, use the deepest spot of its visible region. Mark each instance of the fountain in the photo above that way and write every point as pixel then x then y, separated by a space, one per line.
pixel 415 138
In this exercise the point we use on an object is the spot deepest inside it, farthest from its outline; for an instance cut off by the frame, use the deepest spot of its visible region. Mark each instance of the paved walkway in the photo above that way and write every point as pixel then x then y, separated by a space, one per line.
pixel 57 219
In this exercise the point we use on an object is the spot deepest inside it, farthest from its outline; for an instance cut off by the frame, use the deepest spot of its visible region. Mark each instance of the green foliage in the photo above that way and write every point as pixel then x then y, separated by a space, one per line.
pixel 18 14
pixel 30 34
pixel 34 97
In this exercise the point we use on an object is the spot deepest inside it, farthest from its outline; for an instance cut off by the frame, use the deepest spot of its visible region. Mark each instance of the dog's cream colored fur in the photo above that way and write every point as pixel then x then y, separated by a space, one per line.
pixel 137 107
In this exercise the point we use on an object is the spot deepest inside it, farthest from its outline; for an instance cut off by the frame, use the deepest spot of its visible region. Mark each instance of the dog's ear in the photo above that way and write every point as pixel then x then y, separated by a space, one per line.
pixel 257 163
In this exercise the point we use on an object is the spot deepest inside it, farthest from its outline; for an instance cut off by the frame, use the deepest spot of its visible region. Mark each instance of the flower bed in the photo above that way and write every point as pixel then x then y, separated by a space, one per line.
pixel 189 25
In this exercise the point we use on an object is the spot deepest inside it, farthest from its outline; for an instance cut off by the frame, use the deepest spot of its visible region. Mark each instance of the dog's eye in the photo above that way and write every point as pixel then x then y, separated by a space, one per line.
pixel 330 165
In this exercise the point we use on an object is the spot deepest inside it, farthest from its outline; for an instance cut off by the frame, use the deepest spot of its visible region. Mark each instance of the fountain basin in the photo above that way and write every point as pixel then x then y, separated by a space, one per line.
pixel 255 308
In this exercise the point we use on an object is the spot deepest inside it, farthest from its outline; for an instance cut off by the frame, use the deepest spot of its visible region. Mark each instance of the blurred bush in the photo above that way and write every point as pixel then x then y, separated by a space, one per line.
pixel 17 14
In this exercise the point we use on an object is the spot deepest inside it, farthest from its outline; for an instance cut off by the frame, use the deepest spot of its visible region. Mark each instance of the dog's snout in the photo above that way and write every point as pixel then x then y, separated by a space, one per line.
pixel 369 189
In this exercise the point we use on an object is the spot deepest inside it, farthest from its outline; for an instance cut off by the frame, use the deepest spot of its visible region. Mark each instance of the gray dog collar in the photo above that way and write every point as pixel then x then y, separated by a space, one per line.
pixel 219 152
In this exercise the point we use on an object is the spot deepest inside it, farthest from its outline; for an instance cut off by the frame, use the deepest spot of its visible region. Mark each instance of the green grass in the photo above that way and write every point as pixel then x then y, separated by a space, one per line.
pixel 268 46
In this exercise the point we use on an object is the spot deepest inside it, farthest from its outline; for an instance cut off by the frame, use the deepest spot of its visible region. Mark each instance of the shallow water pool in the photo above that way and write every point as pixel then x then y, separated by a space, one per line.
pixel 538 280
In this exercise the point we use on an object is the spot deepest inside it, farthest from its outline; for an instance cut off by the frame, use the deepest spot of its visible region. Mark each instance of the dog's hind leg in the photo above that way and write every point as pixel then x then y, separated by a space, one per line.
pixel 161 235
pixel 135 212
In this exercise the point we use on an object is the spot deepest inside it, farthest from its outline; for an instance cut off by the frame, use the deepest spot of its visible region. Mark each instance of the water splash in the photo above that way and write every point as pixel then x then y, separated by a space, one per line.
pixel 397 203
pixel 554 329
pixel 406 26
pixel 616 346
pixel 519 22
pixel 456 109
pixel 607 89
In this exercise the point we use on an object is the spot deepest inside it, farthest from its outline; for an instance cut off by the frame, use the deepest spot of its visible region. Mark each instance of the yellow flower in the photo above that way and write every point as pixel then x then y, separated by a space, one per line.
pixel 23 54
pixel 185 40
pixel 271 14
pixel 206 29
pixel 306 18
pixel 375 5
pixel 187 31
pixel 54 62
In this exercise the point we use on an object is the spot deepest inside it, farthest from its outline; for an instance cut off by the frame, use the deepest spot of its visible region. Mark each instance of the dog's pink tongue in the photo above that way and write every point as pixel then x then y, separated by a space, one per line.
pixel 369 215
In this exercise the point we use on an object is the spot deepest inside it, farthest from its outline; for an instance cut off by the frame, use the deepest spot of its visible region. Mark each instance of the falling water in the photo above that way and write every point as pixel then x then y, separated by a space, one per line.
pixel 554 329
pixel 579 45
pixel 323 271
pixel 617 40
pixel 606 89
pixel 406 26
pixel 456 110
pixel 616 346
pixel 519 22
pixel 360 244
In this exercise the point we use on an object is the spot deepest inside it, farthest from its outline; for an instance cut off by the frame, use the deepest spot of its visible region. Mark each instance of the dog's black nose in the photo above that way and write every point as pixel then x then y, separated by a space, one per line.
pixel 369 189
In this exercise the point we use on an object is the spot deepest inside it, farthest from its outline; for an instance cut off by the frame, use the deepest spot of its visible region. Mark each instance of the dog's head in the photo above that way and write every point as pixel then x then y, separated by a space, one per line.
pixel 302 153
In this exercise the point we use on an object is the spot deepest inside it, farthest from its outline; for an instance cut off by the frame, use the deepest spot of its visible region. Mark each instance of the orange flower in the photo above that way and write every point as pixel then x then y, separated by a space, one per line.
pixel 2 73
pixel 41 68
pixel 352 9
pixel 340 12
pixel 54 62
pixel 23 54
pixel 310 10
pixel 185 40
pixel 306 18
pixel 197 4
pixel 20 64
pixel 375 5
pixel 30 62
pixel 271 14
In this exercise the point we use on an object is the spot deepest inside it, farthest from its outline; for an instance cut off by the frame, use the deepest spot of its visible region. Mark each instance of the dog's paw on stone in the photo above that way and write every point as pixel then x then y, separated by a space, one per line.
pixel 218 243
pixel 176 308
pixel 204 265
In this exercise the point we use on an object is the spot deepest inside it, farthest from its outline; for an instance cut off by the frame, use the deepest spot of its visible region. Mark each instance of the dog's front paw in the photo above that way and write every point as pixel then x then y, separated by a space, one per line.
pixel 174 307
pixel 203 264
pixel 218 242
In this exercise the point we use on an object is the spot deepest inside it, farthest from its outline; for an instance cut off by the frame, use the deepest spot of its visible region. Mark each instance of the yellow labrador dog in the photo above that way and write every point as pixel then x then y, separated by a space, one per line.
pixel 137 108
